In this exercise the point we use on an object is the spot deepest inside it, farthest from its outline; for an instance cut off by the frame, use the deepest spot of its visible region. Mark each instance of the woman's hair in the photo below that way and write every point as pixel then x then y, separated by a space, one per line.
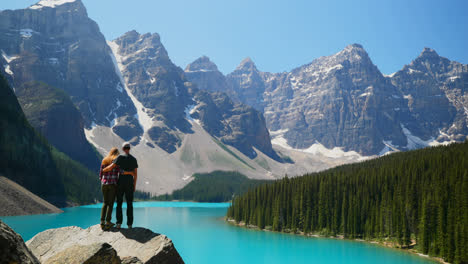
pixel 113 153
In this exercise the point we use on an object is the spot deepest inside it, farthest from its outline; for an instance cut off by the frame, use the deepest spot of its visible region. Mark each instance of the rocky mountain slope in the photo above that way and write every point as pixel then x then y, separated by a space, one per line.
pixel 28 159
pixel 16 200
pixel 343 102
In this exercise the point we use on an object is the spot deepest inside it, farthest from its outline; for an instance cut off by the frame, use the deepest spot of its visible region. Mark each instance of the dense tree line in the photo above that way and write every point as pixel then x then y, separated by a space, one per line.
pixel 213 187
pixel 410 197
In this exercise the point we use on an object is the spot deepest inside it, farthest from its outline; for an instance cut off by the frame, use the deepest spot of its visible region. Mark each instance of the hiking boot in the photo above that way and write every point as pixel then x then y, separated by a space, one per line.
pixel 118 226
pixel 103 225
pixel 109 225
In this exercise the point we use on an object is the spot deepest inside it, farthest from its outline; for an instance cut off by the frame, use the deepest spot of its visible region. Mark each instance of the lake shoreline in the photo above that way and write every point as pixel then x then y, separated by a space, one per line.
pixel 340 237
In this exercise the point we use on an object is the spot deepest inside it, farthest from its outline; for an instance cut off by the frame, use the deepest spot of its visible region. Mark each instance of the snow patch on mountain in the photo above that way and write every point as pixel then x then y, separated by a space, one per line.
pixel 8 58
pixel 414 142
pixel 8 69
pixel 27 32
pixel 389 148
pixel 146 122
pixel 200 70
pixel 50 3
pixel 315 149
pixel 113 114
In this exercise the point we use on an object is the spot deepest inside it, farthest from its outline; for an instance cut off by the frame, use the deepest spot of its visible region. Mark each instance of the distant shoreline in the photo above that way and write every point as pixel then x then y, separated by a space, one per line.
pixel 341 237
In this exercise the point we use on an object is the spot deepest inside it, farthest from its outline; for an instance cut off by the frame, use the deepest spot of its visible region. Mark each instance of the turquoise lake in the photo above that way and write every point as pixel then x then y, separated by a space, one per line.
pixel 201 236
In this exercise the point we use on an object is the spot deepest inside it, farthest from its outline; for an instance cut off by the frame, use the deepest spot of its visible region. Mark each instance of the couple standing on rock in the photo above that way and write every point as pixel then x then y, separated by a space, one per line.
pixel 118 177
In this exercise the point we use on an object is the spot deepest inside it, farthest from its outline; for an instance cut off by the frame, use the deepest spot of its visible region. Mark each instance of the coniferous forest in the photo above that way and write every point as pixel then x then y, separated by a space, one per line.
pixel 417 199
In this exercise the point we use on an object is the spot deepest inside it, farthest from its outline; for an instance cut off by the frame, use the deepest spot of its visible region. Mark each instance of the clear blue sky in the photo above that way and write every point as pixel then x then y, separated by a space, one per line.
pixel 281 35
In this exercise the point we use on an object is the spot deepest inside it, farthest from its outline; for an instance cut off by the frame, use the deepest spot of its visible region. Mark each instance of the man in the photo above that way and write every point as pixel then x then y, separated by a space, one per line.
pixel 126 184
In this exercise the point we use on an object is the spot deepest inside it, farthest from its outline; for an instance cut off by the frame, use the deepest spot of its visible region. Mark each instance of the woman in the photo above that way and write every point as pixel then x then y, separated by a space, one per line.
pixel 109 187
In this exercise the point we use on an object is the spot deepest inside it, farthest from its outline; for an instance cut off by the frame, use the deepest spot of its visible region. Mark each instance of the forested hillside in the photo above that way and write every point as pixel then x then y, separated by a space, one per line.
pixel 213 187
pixel 410 197
pixel 51 112
pixel 28 159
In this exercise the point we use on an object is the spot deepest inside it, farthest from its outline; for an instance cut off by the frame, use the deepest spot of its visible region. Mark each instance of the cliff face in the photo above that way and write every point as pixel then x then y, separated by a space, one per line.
pixel 139 245
pixel 435 89
pixel 247 83
pixel 234 123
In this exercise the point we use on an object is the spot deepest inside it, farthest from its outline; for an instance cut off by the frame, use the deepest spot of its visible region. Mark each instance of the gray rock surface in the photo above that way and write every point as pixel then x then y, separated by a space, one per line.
pixel 12 247
pixel 435 89
pixel 97 253
pixel 235 124
pixel 205 74
pixel 138 242
pixel 248 84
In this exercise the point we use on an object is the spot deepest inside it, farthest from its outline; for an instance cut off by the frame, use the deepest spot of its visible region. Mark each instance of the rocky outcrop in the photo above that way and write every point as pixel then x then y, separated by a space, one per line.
pixel 137 245
pixel 12 247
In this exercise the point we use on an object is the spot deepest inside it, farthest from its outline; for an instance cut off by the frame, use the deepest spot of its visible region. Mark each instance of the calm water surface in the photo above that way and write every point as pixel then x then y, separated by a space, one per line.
pixel 201 236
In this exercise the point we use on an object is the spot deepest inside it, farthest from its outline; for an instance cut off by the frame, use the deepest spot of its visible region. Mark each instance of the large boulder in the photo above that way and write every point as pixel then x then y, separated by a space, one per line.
pixel 12 247
pixel 141 243
pixel 97 253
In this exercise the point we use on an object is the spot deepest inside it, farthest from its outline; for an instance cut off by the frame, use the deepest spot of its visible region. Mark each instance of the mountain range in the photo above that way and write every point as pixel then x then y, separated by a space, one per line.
pixel 344 101
pixel 84 93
